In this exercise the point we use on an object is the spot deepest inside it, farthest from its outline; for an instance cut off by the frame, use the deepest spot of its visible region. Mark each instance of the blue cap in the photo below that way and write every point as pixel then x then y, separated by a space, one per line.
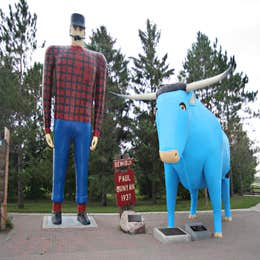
pixel 78 20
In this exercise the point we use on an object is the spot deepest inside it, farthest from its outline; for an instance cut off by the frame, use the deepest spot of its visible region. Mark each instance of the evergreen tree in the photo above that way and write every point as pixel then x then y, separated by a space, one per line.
pixel 18 37
pixel 115 131
pixel 227 98
pixel 9 95
pixel 148 73
pixel 17 42
pixel 37 159
pixel 243 162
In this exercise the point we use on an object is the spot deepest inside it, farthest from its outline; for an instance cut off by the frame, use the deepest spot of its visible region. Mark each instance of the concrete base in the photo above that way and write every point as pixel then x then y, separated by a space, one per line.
pixel 197 231
pixel 170 235
pixel 68 221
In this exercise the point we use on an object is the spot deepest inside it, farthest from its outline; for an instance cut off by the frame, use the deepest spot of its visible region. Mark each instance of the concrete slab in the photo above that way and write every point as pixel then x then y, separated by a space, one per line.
pixel 198 231
pixel 256 208
pixel 28 241
pixel 68 221
pixel 169 235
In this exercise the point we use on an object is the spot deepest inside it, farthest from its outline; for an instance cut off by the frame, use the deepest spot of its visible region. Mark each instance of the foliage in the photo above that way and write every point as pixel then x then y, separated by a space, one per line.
pixel 115 123
pixel 148 168
pixel 243 162
pixel 148 73
pixel 227 99
pixel 18 37
pixel 21 93
pixel 9 94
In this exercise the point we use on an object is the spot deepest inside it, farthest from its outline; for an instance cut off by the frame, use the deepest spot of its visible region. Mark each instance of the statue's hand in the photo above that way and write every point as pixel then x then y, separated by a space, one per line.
pixel 94 143
pixel 49 140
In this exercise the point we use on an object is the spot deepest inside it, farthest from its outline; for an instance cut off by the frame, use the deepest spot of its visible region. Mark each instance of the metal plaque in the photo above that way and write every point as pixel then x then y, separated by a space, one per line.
pixel 134 218
pixel 172 231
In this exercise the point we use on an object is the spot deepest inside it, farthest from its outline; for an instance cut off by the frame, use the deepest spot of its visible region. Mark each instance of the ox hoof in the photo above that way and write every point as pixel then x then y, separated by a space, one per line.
pixel 218 234
pixel 192 216
pixel 227 219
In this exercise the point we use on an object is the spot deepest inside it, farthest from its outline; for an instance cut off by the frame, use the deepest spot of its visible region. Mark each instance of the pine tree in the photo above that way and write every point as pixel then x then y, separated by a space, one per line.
pixel 225 99
pixel 115 130
pixel 9 95
pixel 17 42
pixel 149 71
pixel 243 162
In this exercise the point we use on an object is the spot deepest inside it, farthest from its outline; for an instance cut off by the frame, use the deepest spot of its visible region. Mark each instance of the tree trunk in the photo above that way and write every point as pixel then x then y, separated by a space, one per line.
pixel 154 190
pixel 231 185
pixel 241 190
pixel 103 194
pixel 104 199
pixel 20 198
pixel 20 201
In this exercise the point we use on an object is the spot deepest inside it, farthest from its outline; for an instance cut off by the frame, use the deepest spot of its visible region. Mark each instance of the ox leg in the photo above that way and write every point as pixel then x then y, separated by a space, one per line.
pixel 213 180
pixel 226 198
pixel 215 198
pixel 193 204
pixel 171 182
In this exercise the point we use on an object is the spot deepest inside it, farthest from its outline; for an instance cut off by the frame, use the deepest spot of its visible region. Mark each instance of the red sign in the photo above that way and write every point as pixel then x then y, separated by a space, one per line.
pixel 125 187
pixel 122 163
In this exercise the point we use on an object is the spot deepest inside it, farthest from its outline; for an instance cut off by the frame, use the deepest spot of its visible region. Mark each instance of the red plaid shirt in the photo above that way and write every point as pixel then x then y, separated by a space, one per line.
pixel 79 78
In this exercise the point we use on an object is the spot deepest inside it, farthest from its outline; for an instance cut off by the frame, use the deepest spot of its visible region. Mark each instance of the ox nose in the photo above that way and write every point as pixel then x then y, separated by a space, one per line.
pixel 170 156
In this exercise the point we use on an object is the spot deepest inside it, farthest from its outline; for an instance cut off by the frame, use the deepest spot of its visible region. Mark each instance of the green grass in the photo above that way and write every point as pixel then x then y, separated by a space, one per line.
pixel 44 206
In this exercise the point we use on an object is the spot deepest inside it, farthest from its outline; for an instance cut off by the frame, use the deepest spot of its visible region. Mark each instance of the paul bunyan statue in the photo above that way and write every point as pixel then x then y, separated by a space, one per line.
pixel 75 78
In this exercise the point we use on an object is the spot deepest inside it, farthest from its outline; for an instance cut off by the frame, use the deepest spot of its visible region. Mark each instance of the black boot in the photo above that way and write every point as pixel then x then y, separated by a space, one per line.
pixel 56 218
pixel 83 218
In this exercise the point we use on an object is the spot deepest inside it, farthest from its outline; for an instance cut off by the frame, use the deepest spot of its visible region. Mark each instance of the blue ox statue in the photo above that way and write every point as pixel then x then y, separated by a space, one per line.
pixel 193 147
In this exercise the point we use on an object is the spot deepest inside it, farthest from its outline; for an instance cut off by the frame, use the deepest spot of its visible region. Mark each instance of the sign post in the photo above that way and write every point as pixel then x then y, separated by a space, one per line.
pixel 130 222
pixel 4 164
pixel 124 183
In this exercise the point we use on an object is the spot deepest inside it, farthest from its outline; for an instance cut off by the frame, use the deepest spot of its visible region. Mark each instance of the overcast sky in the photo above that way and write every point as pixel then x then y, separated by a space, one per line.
pixel 236 24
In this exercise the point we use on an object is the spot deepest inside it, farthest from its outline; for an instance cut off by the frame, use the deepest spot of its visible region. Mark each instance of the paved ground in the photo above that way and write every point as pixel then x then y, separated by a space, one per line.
pixel 28 240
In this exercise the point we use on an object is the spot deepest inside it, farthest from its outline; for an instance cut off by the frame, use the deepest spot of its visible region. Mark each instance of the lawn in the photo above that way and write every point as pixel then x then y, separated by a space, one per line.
pixel 44 206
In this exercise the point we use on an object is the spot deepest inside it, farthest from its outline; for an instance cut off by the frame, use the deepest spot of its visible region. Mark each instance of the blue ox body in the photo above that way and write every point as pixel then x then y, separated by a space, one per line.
pixel 193 147
pixel 195 152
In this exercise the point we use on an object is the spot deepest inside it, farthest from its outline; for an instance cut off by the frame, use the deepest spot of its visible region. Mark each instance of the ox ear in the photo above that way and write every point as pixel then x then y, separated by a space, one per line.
pixel 192 98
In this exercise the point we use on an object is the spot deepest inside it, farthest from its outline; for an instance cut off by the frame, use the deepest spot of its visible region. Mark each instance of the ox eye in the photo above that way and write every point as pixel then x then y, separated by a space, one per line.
pixel 182 106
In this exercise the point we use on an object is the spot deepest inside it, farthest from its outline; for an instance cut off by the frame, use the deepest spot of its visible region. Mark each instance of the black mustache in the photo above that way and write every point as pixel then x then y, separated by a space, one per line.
pixel 77 37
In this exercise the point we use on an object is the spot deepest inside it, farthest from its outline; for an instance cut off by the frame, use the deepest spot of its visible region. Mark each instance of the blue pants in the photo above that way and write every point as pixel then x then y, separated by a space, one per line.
pixel 66 131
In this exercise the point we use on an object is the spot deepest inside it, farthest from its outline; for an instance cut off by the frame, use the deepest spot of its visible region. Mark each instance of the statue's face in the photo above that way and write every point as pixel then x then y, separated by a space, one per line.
pixel 77 30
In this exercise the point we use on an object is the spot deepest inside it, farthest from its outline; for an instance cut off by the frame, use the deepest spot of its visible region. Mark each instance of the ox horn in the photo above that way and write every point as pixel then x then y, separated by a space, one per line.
pixel 209 81
pixel 148 96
